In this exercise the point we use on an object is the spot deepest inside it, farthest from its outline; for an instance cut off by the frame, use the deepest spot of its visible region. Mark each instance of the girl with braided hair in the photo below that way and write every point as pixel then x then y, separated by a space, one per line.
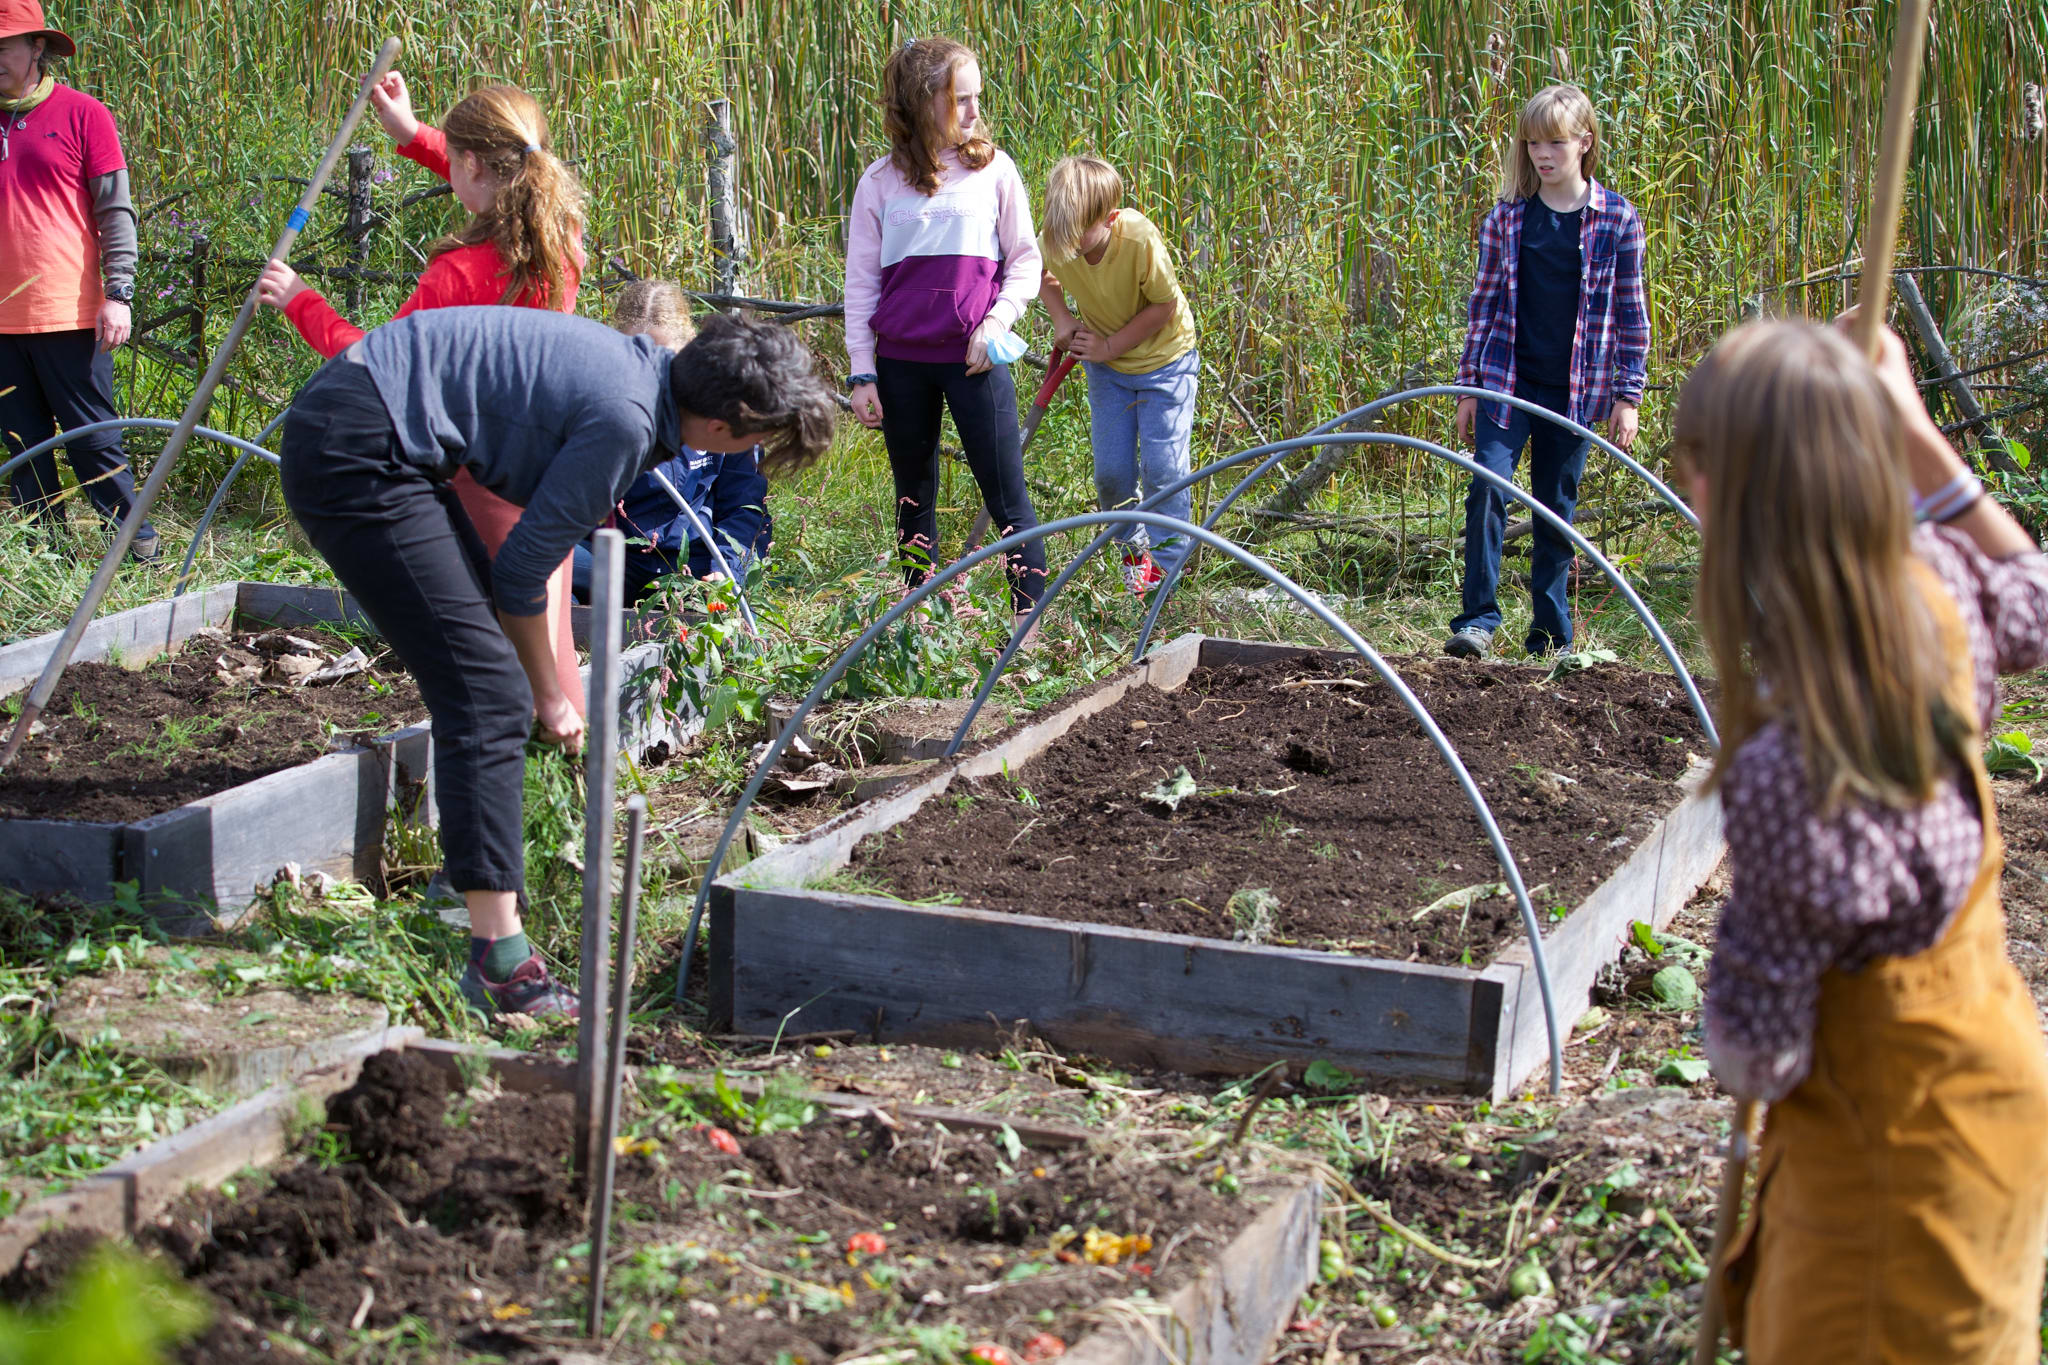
pixel 521 246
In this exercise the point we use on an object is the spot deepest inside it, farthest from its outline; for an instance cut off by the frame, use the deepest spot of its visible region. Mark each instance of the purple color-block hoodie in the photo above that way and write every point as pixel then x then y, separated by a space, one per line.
pixel 922 271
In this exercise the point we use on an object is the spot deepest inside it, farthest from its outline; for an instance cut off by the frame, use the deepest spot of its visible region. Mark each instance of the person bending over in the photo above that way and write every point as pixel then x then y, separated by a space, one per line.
pixel 557 415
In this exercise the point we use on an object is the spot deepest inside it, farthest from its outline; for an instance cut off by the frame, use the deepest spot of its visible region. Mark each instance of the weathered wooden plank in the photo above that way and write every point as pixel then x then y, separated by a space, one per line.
pixel 1217 653
pixel 810 960
pixel 121 1198
pixel 134 636
pixel 169 857
pixel 321 815
pixel 57 857
pixel 1674 861
pixel 288 604
pixel 523 1073
pixel 1232 1312
pixel 826 848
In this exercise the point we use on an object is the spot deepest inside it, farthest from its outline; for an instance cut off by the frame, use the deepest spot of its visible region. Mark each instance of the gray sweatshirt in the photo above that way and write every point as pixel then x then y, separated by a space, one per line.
pixel 554 413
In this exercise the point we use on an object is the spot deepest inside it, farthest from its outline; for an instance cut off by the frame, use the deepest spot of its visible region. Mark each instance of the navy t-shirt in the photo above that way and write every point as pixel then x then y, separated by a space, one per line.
pixel 1547 293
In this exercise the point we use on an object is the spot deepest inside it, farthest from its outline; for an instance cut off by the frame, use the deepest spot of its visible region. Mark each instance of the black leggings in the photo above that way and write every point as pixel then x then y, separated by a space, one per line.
pixel 984 408
pixel 399 541
pixel 62 379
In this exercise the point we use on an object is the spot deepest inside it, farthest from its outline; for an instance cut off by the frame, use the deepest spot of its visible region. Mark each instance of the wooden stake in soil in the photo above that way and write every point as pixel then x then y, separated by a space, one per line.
pixel 145 498
pixel 615 1064
pixel 601 753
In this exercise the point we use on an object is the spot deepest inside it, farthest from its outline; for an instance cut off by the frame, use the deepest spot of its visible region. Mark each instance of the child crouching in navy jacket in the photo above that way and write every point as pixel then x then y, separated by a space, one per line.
pixel 728 492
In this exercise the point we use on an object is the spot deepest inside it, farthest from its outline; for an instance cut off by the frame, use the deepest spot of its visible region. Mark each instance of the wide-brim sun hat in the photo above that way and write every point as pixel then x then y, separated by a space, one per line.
pixel 19 17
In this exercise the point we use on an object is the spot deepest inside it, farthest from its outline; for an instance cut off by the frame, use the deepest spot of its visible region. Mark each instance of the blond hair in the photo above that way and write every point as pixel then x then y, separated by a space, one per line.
pixel 1809 596
pixel 658 306
pixel 1080 192
pixel 916 74
pixel 536 221
pixel 1553 114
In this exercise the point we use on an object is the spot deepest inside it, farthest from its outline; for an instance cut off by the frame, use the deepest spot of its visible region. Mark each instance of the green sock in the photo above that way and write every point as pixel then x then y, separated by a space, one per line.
pixel 500 957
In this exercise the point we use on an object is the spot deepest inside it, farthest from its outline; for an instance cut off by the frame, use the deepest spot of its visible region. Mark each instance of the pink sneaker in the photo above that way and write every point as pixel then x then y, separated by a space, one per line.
pixel 1141 575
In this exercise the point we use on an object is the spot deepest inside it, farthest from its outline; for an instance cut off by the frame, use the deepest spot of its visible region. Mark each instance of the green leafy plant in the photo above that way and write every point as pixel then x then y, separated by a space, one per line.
pixel 2013 752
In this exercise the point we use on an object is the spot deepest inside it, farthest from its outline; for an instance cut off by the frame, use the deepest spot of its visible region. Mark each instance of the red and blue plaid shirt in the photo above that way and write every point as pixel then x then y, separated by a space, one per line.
pixel 1611 344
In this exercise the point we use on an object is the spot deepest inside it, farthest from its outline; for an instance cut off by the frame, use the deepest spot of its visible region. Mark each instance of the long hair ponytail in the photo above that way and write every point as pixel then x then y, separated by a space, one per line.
pixel 536 221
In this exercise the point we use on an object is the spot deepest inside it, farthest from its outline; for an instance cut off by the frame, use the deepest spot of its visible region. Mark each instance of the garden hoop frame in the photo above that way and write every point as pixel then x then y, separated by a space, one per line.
pixel 1511 871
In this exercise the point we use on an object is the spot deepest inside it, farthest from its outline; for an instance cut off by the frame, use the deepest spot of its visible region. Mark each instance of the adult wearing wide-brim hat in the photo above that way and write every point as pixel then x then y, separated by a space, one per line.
pixel 67 274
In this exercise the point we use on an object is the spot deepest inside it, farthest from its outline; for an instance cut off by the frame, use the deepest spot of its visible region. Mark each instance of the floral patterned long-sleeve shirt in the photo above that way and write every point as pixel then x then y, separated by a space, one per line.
pixel 1812 895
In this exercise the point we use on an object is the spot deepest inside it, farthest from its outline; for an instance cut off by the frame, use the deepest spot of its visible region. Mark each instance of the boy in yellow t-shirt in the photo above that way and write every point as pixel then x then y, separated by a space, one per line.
pixel 1136 337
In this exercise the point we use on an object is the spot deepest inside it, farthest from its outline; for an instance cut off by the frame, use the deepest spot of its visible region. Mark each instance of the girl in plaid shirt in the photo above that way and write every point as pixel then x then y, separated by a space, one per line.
pixel 1558 318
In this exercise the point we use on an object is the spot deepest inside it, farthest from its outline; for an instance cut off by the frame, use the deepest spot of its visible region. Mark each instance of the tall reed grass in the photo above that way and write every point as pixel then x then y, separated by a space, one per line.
pixel 1320 168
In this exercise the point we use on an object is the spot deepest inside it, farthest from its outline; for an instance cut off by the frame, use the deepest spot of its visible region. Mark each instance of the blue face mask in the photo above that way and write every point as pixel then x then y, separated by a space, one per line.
pixel 1005 347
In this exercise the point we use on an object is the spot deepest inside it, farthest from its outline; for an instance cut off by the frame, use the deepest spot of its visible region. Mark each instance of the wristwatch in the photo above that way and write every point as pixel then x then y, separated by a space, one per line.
pixel 119 293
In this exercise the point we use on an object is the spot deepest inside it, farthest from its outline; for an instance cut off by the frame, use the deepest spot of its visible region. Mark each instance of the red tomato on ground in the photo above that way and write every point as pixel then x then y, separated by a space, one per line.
pixel 1044 1346
pixel 867 1243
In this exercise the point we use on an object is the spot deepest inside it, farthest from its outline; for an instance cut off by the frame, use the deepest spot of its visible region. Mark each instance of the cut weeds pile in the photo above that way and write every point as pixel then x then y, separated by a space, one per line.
pixel 1299 804
pixel 747 1232
pixel 118 745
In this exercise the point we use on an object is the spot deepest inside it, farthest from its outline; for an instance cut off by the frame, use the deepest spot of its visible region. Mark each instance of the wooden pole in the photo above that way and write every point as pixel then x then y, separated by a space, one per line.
pixel 615 1063
pixel 1888 193
pixel 1727 1217
pixel 600 767
pixel 145 498
pixel 728 237
pixel 361 162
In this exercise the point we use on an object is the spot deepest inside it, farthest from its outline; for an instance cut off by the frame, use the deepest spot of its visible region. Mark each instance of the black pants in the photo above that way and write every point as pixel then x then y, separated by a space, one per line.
pixel 400 542
pixel 53 379
pixel 984 408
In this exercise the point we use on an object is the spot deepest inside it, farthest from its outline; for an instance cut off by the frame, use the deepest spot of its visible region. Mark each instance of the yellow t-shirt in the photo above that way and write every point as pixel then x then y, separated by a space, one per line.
pixel 1136 271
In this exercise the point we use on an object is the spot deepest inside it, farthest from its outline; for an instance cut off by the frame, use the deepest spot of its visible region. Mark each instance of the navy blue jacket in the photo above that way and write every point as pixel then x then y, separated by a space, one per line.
pixel 728 492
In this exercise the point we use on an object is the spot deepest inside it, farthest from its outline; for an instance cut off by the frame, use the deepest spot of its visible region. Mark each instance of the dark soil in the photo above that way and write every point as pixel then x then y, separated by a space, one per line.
pixel 122 746
pixel 1328 797
pixel 459 1213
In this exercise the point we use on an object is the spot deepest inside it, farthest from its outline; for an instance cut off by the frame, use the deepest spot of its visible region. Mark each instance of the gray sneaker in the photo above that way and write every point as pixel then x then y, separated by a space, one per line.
pixel 1469 643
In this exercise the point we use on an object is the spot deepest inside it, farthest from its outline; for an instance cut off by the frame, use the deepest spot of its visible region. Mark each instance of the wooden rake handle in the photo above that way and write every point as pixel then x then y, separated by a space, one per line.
pixel 1888 193
pixel 1727 1218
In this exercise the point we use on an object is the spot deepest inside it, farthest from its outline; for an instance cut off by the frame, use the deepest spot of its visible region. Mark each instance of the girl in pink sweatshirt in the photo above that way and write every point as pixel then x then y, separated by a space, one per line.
pixel 940 258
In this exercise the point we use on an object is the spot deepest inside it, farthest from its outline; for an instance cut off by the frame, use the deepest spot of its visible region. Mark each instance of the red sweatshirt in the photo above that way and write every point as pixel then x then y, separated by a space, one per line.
pixel 466 275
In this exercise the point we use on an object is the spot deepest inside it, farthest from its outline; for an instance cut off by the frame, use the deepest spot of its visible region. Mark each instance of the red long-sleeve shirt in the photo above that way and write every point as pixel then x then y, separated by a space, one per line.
pixel 465 276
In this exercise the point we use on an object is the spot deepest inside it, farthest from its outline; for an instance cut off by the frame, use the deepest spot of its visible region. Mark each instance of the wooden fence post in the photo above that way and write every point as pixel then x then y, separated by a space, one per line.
pixel 360 162
pixel 1989 439
pixel 202 247
pixel 728 236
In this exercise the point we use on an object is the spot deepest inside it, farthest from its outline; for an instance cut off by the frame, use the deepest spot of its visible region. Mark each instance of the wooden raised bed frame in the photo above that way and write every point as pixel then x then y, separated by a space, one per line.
pixel 1228 1315
pixel 326 815
pixel 787 956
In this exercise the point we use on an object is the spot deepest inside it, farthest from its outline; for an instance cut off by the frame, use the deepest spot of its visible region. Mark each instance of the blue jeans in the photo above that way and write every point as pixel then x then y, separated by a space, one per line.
pixel 1557 457
pixel 1141 425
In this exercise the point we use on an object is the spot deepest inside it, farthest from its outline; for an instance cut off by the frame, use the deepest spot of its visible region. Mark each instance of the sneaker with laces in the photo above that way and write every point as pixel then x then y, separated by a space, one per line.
pixel 1141 575
pixel 1469 643
pixel 529 990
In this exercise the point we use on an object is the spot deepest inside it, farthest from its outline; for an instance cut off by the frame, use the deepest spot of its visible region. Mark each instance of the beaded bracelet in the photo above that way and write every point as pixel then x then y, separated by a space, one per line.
pixel 1951 500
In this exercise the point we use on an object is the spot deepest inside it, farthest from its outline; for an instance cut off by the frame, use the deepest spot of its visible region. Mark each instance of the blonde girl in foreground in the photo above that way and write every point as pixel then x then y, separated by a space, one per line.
pixel 1860 982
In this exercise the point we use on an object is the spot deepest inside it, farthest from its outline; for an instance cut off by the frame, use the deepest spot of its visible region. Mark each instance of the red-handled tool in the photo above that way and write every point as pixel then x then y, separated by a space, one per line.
pixel 1055 371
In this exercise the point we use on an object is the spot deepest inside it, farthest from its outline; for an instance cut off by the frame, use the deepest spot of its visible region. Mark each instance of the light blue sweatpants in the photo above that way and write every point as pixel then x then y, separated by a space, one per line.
pixel 1141 429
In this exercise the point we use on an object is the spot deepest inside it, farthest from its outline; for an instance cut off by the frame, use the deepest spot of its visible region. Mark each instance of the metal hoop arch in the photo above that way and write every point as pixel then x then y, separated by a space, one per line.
pixel 911 601
pixel 1507 487
pixel 1379 405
